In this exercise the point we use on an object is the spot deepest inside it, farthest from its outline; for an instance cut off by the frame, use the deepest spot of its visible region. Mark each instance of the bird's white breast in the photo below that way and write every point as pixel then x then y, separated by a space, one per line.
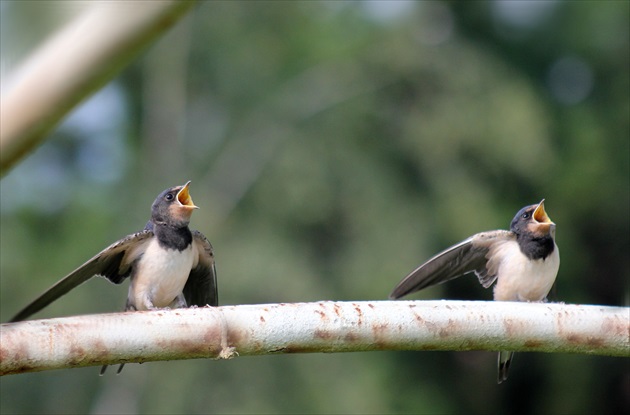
pixel 160 276
pixel 522 279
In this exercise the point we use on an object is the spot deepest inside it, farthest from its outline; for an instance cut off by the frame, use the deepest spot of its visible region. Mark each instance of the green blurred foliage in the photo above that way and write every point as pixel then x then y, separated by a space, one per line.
pixel 333 147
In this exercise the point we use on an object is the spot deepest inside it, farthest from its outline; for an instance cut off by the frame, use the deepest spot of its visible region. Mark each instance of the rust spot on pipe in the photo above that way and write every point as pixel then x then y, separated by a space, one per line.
pixel 192 348
pixel 509 327
pixel 300 349
pixel 323 334
pixel 101 351
pixel 322 314
pixel 379 330
pixel 337 308
pixel 357 308
pixel 533 344
pixel 588 340
pixel 450 328
pixel 233 337
pixel 619 328
pixel 351 336
pixel 76 352
pixel 212 334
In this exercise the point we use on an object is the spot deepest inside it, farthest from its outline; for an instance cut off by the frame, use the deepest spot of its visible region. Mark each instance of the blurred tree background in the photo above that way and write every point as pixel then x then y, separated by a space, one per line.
pixel 332 147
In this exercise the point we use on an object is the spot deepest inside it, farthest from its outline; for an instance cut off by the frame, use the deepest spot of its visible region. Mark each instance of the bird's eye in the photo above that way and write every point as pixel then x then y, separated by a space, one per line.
pixel 169 196
pixel 525 215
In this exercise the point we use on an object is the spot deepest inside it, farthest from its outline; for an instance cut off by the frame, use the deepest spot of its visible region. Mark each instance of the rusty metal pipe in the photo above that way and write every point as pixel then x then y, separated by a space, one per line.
pixel 328 327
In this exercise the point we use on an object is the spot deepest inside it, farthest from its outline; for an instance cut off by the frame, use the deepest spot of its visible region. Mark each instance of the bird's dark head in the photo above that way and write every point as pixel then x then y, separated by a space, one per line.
pixel 533 220
pixel 173 207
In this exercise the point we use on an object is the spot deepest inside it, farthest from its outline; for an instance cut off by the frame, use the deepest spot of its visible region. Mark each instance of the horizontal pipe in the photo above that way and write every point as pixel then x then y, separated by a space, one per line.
pixel 328 327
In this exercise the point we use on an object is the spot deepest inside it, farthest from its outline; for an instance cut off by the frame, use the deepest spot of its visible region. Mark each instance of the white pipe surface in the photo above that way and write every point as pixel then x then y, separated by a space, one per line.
pixel 230 331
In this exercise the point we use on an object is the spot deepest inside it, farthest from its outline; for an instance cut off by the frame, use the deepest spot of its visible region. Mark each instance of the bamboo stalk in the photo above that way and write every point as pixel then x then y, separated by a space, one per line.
pixel 74 63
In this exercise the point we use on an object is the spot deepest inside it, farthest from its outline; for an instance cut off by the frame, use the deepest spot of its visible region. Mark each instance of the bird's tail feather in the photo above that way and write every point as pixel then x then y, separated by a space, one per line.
pixel 505 359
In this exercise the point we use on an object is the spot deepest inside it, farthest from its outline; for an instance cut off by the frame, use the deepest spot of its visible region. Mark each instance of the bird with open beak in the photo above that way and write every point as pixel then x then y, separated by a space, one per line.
pixel 168 264
pixel 523 262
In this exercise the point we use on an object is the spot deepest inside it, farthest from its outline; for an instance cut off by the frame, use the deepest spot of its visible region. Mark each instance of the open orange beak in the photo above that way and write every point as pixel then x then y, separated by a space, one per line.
pixel 540 215
pixel 184 197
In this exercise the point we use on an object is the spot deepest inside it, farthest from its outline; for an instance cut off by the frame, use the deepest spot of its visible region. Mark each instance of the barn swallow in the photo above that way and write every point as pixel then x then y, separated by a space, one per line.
pixel 169 266
pixel 523 262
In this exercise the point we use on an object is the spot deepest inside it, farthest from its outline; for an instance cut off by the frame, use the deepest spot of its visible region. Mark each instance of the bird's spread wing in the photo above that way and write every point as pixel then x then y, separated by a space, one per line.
pixel 467 256
pixel 201 287
pixel 113 263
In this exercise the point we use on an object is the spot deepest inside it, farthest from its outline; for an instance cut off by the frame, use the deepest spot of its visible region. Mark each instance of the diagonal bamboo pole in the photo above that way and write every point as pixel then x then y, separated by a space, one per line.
pixel 325 327
pixel 74 63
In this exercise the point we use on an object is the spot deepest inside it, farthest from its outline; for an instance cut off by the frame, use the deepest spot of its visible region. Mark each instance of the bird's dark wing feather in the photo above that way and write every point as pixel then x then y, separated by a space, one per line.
pixel 113 263
pixel 201 287
pixel 467 256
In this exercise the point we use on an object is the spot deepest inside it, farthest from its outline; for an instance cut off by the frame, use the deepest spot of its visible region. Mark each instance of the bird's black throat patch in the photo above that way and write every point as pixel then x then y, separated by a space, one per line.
pixel 171 237
pixel 535 248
